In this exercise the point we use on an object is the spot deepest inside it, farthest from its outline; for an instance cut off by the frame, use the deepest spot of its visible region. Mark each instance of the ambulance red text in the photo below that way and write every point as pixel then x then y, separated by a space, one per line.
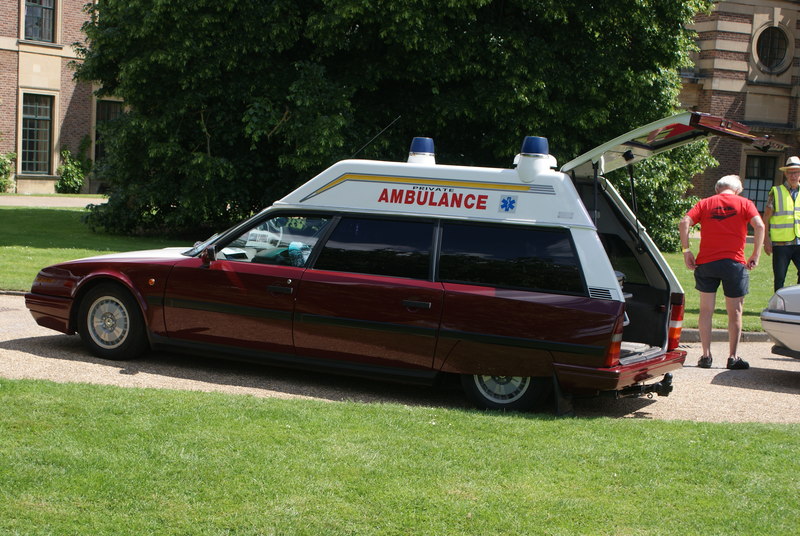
pixel 447 198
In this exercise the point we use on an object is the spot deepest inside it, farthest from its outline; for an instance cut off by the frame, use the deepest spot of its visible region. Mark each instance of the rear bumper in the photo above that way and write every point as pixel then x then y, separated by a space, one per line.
pixel 579 379
pixel 50 311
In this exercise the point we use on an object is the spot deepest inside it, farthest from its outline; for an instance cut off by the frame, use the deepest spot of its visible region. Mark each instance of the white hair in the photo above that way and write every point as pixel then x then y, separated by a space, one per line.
pixel 729 182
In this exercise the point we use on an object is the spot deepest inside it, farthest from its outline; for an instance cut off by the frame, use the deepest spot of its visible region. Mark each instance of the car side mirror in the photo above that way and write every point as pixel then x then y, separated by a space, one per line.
pixel 209 255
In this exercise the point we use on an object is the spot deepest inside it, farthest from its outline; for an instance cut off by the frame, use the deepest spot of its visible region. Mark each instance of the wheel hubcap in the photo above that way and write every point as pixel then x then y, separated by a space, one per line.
pixel 108 322
pixel 503 389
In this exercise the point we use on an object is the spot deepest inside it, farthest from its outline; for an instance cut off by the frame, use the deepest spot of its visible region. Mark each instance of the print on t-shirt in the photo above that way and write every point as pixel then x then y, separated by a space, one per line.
pixel 720 213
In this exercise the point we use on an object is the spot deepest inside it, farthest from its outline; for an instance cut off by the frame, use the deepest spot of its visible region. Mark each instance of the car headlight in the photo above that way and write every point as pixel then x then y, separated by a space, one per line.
pixel 776 303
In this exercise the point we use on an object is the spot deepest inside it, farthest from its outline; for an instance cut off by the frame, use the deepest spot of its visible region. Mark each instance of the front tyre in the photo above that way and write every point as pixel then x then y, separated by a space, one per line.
pixel 110 323
pixel 512 393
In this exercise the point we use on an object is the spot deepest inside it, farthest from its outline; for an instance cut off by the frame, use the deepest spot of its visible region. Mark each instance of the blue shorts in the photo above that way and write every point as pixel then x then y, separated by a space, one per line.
pixel 733 275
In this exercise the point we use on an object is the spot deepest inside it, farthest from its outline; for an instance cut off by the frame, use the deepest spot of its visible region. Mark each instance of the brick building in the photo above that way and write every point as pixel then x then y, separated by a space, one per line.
pixel 748 70
pixel 42 109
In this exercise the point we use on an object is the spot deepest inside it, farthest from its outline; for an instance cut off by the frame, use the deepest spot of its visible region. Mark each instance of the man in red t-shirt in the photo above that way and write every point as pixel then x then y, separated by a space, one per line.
pixel 723 220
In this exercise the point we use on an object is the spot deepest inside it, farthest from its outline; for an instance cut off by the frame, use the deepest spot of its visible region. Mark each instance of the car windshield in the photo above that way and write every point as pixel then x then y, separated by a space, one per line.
pixel 198 247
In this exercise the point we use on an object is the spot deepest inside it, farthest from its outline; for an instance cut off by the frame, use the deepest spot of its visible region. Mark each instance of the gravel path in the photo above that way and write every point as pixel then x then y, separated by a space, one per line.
pixel 43 201
pixel 768 392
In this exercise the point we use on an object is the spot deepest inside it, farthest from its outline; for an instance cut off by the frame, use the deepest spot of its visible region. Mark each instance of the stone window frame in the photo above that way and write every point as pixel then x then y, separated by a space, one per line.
pixel 33 145
pixel 788 57
pixel 44 13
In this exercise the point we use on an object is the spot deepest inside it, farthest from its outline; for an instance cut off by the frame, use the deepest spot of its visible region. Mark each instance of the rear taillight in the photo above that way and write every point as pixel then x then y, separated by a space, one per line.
pixel 612 355
pixel 675 321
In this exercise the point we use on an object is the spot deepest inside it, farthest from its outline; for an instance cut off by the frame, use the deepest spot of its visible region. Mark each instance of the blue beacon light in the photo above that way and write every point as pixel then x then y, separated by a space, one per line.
pixel 534 158
pixel 535 145
pixel 421 151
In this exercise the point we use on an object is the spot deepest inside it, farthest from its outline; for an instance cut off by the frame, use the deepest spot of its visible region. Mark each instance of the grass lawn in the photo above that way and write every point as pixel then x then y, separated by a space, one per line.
pixel 85 459
pixel 32 238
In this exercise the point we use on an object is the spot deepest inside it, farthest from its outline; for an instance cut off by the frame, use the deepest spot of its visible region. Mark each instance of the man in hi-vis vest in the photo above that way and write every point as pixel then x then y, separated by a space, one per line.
pixel 782 218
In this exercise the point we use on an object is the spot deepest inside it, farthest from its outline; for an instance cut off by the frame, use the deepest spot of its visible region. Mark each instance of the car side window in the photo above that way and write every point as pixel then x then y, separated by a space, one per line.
pixel 531 258
pixel 398 248
pixel 283 239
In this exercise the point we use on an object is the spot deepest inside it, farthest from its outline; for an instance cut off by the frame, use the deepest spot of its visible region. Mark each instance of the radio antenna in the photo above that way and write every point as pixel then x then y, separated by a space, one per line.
pixel 376 135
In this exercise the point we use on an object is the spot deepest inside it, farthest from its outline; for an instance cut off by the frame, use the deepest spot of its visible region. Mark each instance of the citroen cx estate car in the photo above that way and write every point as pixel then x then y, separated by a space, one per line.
pixel 521 281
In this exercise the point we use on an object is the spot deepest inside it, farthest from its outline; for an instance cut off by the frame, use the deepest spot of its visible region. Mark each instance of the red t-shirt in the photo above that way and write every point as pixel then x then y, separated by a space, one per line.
pixel 723 222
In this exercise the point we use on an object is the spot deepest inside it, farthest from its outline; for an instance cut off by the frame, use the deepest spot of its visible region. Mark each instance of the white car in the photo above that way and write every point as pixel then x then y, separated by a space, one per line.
pixel 781 318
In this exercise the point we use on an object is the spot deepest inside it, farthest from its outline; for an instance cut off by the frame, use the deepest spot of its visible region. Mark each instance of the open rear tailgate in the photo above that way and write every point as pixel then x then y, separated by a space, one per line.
pixel 661 136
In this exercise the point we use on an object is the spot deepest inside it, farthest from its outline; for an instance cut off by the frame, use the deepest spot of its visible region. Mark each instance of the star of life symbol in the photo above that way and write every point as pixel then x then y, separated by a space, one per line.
pixel 508 204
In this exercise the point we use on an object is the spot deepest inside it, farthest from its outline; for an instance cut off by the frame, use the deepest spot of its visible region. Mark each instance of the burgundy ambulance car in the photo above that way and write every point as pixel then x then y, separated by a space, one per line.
pixel 521 281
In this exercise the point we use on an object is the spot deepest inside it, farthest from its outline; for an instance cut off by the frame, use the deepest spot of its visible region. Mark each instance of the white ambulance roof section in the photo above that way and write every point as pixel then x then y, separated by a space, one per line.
pixel 444 191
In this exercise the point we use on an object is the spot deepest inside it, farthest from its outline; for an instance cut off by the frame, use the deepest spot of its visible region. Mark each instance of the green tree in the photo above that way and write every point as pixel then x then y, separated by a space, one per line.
pixel 660 185
pixel 235 103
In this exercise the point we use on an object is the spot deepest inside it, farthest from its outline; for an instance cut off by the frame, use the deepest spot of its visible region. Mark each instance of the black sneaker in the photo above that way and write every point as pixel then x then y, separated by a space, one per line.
pixel 738 363
pixel 705 362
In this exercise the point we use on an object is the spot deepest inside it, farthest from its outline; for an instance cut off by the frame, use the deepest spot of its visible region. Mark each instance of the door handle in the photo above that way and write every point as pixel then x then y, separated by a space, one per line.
pixel 277 289
pixel 413 304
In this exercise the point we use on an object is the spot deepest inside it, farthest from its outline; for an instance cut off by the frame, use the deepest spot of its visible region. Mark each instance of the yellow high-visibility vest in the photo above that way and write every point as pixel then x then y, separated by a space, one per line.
pixel 784 225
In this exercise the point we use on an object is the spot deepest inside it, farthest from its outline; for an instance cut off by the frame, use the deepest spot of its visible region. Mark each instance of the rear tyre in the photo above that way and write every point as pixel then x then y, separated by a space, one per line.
pixel 110 323
pixel 511 393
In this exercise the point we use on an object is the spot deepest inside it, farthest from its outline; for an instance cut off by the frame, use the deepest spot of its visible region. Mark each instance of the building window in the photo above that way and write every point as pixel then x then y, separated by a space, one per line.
pixel 37 127
pixel 106 111
pixel 40 20
pixel 771 47
pixel 759 178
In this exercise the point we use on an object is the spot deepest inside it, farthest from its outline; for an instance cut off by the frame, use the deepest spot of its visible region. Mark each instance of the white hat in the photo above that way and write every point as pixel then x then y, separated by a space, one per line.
pixel 792 163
